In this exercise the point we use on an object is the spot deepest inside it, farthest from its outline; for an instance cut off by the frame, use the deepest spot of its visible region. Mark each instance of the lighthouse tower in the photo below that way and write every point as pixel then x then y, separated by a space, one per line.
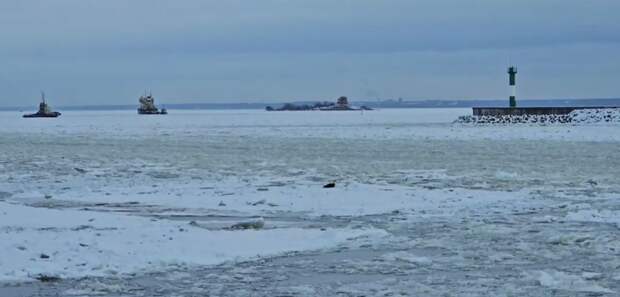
pixel 512 79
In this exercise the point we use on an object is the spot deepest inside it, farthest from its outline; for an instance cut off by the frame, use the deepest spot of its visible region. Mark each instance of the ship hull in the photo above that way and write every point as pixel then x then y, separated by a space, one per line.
pixel 142 111
pixel 42 115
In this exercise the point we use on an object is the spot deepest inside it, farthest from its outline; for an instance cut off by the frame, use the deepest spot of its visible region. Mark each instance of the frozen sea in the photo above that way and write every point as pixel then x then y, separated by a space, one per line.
pixel 110 203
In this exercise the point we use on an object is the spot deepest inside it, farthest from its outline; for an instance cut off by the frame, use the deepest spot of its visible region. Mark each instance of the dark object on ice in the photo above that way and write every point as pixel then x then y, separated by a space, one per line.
pixel 44 256
pixel 330 185
pixel 5 195
pixel 162 174
pixel 256 224
pixel 44 110
pixel 147 105
pixel 80 170
pixel 47 278
pixel 259 202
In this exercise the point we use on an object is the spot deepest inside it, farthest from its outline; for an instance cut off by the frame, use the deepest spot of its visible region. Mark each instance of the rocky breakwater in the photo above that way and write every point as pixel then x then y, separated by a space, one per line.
pixel 587 116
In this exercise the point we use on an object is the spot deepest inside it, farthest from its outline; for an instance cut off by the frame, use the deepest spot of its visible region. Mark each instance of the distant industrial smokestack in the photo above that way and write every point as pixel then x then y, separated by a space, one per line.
pixel 512 82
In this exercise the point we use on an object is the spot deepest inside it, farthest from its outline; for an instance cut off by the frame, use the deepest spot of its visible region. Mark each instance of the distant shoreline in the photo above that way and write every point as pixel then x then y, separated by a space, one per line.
pixel 371 104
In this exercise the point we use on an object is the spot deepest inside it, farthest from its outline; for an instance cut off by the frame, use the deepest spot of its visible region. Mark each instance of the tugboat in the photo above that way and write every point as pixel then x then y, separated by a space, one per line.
pixel 44 110
pixel 147 105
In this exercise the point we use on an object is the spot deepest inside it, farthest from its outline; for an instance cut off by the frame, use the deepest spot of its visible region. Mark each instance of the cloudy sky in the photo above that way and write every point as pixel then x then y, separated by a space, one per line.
pixel 108 52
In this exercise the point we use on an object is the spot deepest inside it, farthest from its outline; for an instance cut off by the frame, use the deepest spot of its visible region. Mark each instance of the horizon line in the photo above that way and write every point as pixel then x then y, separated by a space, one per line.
pixel 254 105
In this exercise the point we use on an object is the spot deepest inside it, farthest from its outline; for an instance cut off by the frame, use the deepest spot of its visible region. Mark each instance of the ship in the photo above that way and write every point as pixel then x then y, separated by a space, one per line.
pixel 147 105
pixel 44 110
pixel 342 103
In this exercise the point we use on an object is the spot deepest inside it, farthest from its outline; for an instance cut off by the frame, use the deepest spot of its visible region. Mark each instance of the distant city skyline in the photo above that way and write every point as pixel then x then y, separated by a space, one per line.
pixel 86 52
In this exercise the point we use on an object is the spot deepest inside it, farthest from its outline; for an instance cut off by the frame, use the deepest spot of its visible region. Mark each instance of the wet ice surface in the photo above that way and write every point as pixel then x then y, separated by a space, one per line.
pixel 470 211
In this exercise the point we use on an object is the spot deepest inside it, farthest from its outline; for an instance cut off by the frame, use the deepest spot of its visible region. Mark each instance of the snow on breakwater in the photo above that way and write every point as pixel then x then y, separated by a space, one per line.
pixel 596 115
pixel 585 116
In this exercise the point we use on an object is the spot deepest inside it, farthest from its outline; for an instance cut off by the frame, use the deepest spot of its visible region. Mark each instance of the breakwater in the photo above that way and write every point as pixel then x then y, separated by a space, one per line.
pixel 520 111
pixel 541 116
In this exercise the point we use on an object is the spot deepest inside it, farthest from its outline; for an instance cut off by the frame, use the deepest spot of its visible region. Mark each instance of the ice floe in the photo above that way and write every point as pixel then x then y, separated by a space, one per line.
pixel 82 243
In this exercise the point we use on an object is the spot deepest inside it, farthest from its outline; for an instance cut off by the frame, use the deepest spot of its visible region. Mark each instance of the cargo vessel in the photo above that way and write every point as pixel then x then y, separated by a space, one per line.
pixel 147 105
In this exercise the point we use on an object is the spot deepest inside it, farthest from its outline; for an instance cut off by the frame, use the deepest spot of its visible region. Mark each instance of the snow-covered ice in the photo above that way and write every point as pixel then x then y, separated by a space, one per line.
pixel 594 215
pixel 563 281
pixel 69 243
pixel 118 204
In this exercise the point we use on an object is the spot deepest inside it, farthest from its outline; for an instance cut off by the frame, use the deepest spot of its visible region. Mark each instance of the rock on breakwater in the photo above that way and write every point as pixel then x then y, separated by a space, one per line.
pixel 585 116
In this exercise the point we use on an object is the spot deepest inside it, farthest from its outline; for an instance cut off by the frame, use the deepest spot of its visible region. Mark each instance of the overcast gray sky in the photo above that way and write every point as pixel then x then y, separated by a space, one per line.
pixel 108 52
